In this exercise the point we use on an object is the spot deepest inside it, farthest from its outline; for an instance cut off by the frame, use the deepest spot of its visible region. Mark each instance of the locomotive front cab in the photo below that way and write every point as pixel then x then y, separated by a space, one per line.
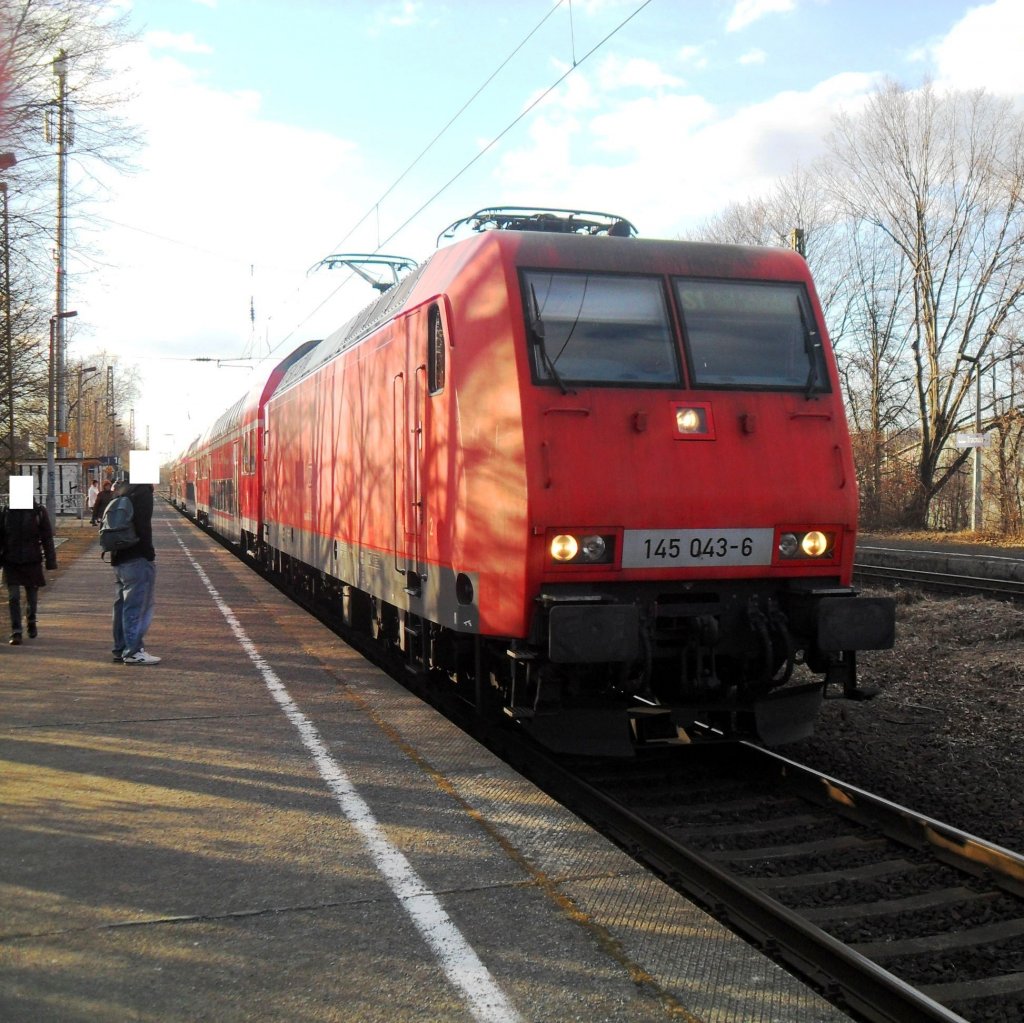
pixel 694 516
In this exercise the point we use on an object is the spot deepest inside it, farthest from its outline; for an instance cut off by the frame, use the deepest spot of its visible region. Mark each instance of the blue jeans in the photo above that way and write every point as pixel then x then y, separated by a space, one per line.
pixel 134 597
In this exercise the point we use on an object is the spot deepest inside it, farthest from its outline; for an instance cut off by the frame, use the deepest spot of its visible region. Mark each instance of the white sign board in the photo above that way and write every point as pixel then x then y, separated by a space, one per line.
pixel 971 440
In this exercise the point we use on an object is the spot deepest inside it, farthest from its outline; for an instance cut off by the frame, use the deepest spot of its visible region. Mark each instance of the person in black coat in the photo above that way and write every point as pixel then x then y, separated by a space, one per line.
pixel 26 537
pixel 103 498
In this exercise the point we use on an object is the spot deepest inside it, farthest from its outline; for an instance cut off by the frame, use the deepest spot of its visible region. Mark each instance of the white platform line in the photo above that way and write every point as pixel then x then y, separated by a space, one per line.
pixel 486 1000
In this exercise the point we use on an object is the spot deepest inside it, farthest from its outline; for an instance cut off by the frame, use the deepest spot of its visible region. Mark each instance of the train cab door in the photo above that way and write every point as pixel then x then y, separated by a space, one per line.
pixel 428 453
pixel 414 391
pixel 407 469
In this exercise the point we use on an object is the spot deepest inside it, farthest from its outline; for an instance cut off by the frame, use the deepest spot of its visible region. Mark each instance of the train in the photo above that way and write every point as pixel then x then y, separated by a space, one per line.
pixel 599 484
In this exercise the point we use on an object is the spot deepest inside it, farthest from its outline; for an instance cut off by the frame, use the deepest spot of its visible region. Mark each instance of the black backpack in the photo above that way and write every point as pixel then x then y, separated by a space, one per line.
pixel 117 530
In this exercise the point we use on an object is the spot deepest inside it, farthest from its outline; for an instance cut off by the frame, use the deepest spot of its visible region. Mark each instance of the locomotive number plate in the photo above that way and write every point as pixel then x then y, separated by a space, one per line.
pixel 668 548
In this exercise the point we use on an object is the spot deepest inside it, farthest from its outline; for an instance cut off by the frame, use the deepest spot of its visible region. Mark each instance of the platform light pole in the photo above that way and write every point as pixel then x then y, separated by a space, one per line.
pixel 51 422
pixel 64 135
pixel 7 161
pixel 976 508
pixel 79 451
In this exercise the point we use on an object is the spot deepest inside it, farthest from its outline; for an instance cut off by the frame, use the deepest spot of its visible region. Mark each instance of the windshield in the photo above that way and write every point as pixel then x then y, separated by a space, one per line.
pixel 751 334
pixel 600 329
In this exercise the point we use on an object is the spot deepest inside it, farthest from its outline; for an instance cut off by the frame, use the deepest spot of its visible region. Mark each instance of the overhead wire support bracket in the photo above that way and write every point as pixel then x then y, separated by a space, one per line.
pixel 356 261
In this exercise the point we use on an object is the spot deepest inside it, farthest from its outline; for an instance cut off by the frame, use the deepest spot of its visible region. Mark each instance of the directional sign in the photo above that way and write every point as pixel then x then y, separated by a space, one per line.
pixel 971 440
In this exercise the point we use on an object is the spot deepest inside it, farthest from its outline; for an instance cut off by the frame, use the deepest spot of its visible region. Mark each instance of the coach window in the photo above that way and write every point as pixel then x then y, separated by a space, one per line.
pixel 599 329
pixel 436 352
pixel 752 335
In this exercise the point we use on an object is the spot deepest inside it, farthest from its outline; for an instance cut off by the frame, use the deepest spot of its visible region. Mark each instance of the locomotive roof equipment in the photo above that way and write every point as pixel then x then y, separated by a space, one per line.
pixel 355 261
pixel 553 221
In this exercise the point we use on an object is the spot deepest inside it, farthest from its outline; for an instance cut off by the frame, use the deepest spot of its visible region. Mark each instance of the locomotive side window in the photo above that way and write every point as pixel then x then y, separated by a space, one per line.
pixel 435 352
pixel 747 334
pixel 599 329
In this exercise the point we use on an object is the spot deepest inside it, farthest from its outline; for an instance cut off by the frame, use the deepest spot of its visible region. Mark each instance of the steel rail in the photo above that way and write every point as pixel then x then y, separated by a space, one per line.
pixel 942 581
pixel 844 976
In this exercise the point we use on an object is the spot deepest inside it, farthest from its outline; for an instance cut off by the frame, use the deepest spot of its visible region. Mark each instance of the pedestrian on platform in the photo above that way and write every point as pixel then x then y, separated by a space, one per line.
pixel 135 573
pixel 26 538
pixel 90 500
pixel 105 496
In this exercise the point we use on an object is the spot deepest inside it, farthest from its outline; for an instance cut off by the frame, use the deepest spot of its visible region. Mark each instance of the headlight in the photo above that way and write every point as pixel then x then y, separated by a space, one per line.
pixel 694 420
pixel 564 547
pixel 814 544
pixel 582 548
pixel 788 545
pixel 690 420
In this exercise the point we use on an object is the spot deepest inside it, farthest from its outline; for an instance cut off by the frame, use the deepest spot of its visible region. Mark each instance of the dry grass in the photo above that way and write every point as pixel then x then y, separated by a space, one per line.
pixel 944 734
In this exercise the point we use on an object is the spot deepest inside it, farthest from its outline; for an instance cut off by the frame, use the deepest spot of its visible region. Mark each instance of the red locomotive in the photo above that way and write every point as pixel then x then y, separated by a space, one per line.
pixel 601 482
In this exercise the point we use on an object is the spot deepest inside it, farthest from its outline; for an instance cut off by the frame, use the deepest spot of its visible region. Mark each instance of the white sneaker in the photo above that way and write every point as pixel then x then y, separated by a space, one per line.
pixel 141 658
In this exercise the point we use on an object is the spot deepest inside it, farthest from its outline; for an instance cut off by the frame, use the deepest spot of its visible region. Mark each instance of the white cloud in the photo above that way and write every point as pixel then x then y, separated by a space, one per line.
pixel 670 161
pixel 407 15
pixel 753 57
pixel 746 12
pixel 984 50
pixel 208 224
pixel 183 42
pixel 694 56
pixel 384 16
pixel 645 74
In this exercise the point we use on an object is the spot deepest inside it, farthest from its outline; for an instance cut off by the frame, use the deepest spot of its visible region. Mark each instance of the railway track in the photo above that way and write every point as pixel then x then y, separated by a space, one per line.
pixel 893 916
pixel 1000 578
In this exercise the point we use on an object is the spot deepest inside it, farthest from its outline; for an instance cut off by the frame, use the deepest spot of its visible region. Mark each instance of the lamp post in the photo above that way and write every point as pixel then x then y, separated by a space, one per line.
pixel 60 69
pixel 7 161
pixel 79 452
pixel 976 511
pixel 51 424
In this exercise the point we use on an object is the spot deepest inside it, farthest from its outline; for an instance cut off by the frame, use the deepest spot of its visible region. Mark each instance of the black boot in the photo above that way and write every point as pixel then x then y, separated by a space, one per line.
pixel 15 639
pixel 32 630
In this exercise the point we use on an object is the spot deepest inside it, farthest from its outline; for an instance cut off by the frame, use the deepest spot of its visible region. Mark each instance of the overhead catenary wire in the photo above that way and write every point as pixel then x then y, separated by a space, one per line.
pixel 375 208
pixel 497 138
pixel 490 145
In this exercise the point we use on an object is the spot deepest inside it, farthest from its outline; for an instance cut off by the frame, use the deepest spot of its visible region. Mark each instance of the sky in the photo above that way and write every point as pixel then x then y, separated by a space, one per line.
pixel 278 132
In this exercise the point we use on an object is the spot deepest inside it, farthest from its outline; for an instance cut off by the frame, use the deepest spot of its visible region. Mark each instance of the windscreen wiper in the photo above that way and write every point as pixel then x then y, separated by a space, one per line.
pixel 812 345
pixel 537 334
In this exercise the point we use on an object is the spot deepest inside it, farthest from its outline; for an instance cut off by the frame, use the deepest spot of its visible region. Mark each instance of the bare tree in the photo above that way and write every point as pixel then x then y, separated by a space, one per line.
pixel 32 35
pixel 942 179
pixel 863 283
pixel 871 322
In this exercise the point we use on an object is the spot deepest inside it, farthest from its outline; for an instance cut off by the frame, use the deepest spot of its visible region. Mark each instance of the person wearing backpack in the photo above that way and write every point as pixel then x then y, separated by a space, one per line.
pixel 135 575
pixel 26 537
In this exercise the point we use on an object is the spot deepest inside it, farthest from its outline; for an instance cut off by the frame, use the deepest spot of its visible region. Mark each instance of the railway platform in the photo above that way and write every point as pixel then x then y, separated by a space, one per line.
pixel 266 827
